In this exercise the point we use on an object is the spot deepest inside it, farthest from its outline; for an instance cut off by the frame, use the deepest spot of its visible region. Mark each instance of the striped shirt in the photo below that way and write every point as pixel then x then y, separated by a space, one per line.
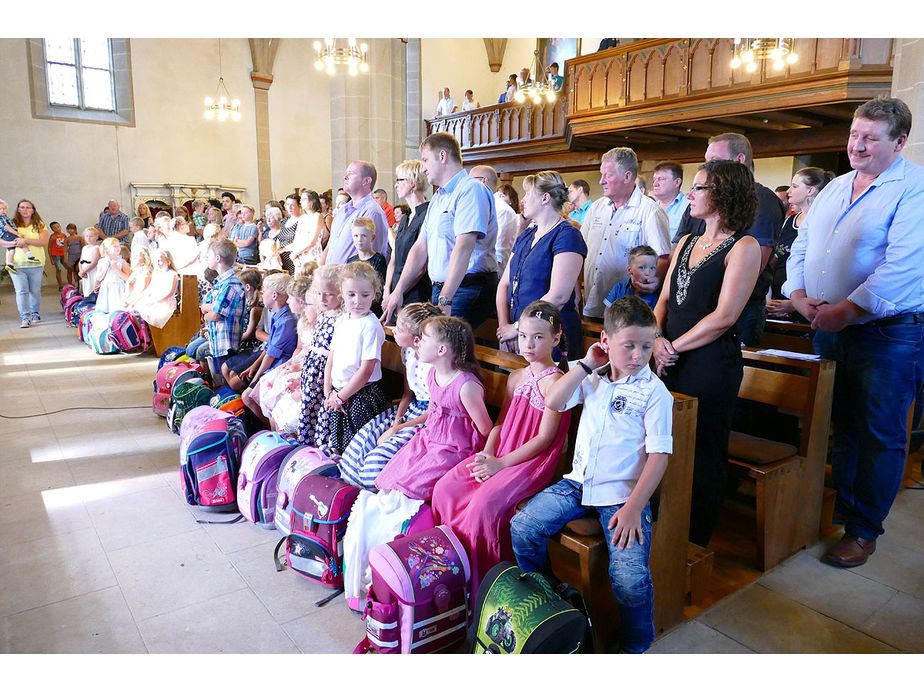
pixel 111 225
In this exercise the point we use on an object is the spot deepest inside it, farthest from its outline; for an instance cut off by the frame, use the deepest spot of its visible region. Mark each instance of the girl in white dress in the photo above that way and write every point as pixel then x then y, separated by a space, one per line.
pixel 158 302
pixel 112 273
pixel 89 257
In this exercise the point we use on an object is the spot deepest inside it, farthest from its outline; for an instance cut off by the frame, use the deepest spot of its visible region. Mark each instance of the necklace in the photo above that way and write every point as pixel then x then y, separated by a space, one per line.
pixel 706 246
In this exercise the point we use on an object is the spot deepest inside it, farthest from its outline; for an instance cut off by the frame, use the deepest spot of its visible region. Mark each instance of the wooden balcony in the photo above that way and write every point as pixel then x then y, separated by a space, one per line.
pixel 665 97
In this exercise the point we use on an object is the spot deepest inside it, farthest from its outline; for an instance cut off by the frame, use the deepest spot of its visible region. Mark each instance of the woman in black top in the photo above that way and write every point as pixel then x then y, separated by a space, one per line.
pixel 410 183
pixel 711 277
pixel 287 234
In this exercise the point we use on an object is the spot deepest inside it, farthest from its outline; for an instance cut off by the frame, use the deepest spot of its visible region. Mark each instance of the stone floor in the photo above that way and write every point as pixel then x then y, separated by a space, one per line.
pixel 102 555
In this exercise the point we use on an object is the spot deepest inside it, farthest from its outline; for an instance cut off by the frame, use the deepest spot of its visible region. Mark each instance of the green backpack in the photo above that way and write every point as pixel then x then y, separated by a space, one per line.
pixel 519 612
pixel 183 399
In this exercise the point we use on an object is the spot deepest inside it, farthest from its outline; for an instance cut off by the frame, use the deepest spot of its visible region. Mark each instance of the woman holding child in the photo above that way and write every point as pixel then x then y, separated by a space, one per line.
pixel 698 350
pixel 27 278
pixel 545 263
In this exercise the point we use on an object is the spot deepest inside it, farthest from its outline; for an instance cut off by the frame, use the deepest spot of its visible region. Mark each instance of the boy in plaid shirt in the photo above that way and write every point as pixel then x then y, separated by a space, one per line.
pixel 225 316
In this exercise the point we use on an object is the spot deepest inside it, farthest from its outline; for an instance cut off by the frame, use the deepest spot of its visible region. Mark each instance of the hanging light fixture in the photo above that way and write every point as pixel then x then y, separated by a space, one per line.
pixel 538 90
pixel 222 106
pixel 750 51
pixel 329 56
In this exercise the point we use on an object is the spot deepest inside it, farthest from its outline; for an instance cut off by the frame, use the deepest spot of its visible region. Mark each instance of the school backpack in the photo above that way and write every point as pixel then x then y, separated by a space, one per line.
pixel 297 464
pixel 418 602
pixel 87 321
pixel 166 379
pixel 98 337
pixel 210 456
pixel 174 353
pixel 256 483
pixel 69 306
pixel 128 332
pixel 318 516
pixel 229 400
pixel 185 397
pixel 519 612
pixel 86 304
pixel 68 291
pixel 196 418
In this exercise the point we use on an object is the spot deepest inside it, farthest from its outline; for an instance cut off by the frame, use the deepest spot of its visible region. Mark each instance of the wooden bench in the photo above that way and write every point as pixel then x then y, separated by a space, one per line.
pixel 789 479
pixel 787 335
pixel 185 321
pixel 582 559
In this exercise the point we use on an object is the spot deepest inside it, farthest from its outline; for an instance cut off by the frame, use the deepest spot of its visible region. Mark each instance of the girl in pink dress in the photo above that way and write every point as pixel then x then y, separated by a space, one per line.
pixel 479 495
pixel 456 427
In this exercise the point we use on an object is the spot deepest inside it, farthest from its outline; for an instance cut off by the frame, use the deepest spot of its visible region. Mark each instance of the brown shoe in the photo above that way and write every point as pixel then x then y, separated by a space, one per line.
pixel 850 552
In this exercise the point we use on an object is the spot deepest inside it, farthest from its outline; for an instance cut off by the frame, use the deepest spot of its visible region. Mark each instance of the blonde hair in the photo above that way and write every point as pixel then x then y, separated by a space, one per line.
pixel 162 253
pixel 414 314
pixel 210 232
pixel 364 222
pixel 141 258
pixel 327 273
pixel 306 270
pixel 548 182
pixel 93 230
pixel 108 244
pixel 362 271
pixel 278 283
pixel 412 171
pixel 299 287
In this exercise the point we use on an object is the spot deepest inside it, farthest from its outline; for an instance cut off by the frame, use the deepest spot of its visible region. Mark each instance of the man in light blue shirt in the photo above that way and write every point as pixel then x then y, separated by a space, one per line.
pixel 457 238
pixel 857 272
pixel 358 182
pixel 666 182
pixel 579 197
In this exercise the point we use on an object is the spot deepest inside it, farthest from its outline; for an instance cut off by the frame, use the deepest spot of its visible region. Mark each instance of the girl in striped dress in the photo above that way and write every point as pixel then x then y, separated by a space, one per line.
pixel 376 442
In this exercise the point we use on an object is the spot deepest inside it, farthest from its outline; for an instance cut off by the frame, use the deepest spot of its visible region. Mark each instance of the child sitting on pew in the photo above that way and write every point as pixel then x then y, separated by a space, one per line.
pixel 225 316
pixel 478 496
pixel 140 276
pixel 643 261
pixel 457 426
pixel 262 397
pixel 620 455
pixel 325 285
pixel 353 392
pixel 198 347
pixel 282 336
pixel 256 317
pixel 89 259
pixel 378 441
pixel 157 303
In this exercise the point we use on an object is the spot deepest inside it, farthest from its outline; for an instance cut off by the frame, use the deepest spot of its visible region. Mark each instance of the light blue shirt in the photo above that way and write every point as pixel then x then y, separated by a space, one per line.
pixel 675 211
pixel 463 205
pixel 340 247
pixel 869 251
pixel 579 214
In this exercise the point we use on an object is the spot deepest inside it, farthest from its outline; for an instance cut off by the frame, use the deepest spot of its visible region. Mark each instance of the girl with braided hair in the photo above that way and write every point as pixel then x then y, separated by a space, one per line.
pixel 479 495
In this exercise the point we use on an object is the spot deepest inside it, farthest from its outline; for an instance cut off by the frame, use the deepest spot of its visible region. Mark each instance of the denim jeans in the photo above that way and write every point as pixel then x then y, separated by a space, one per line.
pixel 198 348
pixel 474 303
pixel 28 285
pixel 630 575
pixel 879 373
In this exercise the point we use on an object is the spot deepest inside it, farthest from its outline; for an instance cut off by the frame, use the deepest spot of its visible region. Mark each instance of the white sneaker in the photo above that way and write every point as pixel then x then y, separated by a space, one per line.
pixel 36 317
pixel 25 323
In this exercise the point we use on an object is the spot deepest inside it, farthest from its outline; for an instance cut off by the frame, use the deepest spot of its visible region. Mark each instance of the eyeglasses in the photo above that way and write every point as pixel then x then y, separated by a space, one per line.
pixel 400 180
pixel 697 188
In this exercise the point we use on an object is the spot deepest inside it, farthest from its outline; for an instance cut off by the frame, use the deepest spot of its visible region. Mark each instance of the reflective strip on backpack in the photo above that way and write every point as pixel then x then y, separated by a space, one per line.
pixel 219 466
pixel 446 614
pixel 382 643
pixel 437 636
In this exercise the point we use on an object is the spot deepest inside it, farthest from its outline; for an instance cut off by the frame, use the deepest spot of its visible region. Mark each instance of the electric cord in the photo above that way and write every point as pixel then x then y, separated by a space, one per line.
pixel 58 411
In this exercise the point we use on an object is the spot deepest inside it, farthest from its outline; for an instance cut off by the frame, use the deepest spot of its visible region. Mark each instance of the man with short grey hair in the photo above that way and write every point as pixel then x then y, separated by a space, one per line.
pixel 358 182
pixel 114 223
pixel 508 221
pixel 616 223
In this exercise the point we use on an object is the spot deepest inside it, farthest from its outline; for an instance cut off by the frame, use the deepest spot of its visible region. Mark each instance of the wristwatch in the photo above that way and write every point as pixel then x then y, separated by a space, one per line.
pixel 443 301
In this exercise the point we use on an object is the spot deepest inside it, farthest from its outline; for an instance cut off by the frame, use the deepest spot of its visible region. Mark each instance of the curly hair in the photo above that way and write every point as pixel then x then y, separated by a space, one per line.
pixel 732 193
pixel 361 271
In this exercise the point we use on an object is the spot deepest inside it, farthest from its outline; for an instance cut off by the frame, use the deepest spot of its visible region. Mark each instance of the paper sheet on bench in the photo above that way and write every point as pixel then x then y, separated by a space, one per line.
pixel 790 354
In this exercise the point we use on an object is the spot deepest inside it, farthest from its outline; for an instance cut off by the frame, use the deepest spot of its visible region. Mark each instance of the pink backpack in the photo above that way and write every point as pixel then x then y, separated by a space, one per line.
pixel 419 600
pixel 67 291
pixel 69 306
pixel 210 458
pixel 297 464
pixel 256 482
pixel 128 332
pixel 318 518
pixel 166 379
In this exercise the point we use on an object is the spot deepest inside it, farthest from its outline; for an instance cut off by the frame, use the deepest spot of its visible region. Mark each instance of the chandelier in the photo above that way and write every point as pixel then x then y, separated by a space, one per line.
pixel 538 90
pixel 222 106
pixel 329 55
pixel 750 51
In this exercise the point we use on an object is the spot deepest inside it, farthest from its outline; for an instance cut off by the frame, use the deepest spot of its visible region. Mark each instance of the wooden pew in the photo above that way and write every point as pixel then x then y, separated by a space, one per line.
pixel 789 480
pixel 787 335
pixel 184 322
pixel 582 559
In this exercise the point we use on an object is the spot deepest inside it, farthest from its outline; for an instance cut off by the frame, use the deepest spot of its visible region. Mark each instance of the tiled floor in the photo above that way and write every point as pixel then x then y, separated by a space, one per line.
pixel 101 553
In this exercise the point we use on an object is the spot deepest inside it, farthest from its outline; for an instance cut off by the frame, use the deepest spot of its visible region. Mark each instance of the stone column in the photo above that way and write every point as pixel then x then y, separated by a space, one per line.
pixel 368 114
pixel 908 85
pixel 263 54
pixel 416 131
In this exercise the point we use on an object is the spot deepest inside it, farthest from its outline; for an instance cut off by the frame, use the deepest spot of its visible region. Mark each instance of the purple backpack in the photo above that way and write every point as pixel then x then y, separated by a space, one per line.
pixel 318 518
pixel 419 600
pixel 128 332
pixel 298 463
pixel 69 306
pixel 256 483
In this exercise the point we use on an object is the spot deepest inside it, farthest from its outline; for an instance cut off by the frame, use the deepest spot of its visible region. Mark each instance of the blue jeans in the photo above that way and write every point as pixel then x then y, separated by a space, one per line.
pixel 28 284
pixel 879 373
pixel 630 575
pixel 473 303
pixel 198 348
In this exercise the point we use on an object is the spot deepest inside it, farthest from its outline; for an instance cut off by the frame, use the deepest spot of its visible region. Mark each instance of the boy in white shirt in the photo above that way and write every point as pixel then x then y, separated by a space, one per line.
pixel 620 455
